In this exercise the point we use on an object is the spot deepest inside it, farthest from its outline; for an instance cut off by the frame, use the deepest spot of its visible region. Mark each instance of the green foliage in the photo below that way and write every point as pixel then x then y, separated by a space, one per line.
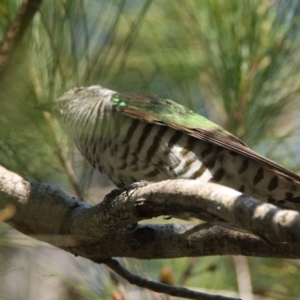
pixel 236 62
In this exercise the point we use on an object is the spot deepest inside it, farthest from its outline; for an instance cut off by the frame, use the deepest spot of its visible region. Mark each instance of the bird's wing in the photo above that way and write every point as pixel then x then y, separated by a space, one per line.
pixel 153 109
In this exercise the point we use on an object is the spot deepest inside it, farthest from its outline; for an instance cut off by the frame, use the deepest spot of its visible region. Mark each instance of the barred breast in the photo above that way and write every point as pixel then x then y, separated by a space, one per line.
pixel 128 150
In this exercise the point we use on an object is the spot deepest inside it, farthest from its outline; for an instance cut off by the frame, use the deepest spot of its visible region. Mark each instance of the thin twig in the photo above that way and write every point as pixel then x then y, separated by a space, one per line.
pixel 188 271
pixel 115 278
pixel 160 287
pixel 65 162
pixel 243 277
pixel 16 31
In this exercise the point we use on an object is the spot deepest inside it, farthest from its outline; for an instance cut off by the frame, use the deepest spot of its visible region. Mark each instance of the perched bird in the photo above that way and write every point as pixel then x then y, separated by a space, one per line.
pixel 133 136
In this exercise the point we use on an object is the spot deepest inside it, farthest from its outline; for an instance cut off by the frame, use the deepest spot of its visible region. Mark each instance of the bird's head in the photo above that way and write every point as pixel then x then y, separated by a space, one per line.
pixel 74 99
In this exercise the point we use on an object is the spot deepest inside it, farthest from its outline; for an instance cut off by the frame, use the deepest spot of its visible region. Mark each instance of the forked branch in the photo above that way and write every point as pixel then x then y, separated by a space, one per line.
pixel 98 232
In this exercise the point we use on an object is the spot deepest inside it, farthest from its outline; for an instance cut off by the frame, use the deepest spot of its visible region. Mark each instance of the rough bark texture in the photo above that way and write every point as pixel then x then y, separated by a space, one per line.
pixel 46 213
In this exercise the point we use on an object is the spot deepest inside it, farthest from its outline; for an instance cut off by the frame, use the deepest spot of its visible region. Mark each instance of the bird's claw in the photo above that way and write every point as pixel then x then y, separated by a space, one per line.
pixel 137 185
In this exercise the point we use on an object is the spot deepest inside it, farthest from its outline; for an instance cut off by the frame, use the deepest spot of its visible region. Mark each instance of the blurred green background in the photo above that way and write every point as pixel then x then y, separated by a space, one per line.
pixel 235 62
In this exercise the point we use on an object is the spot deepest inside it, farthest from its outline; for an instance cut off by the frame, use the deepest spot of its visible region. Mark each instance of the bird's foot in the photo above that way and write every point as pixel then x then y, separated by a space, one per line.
pixel 137 185
pixel 134 186
pixel 108 198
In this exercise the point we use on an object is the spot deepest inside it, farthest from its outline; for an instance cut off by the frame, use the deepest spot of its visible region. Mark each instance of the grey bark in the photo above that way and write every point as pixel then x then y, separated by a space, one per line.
pixel 46 213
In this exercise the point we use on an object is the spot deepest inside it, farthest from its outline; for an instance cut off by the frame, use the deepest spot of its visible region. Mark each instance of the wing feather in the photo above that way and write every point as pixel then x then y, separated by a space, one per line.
pixel 156 110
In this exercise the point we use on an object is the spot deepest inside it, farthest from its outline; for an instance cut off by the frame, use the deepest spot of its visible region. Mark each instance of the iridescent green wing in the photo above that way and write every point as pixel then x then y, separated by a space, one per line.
pixel 156 110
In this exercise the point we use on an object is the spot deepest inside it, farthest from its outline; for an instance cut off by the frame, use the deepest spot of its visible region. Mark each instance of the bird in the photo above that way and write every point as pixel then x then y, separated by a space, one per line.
pixel 136 136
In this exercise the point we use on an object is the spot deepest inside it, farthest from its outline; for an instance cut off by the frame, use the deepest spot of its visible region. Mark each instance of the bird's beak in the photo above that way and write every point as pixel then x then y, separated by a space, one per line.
pixel 46 106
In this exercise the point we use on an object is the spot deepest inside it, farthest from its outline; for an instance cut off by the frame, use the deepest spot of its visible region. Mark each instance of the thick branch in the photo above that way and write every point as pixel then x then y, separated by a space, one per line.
pixel 45 212
pixel 266 220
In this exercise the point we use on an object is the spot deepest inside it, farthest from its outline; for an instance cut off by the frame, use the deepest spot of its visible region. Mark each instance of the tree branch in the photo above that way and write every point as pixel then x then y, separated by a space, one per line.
pixel 97 233
pixel 237 209
pixel 48 214
pixel 160 287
